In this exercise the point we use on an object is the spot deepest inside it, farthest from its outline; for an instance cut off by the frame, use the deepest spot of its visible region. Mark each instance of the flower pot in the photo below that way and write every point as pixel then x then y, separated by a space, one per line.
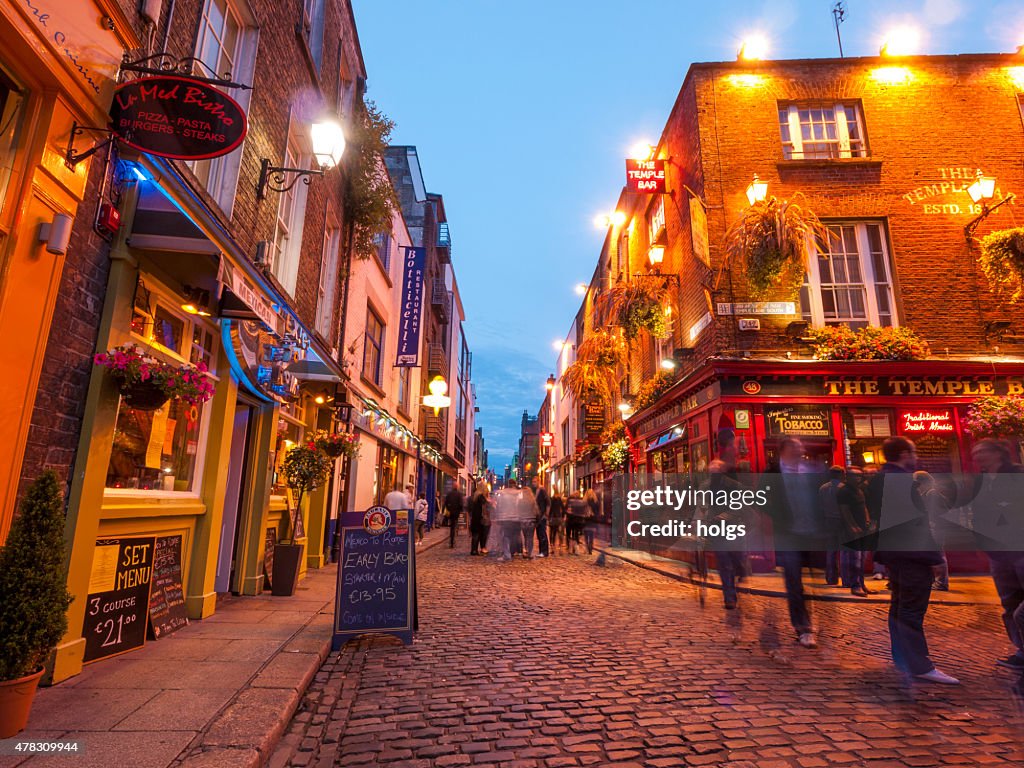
pixel 144 395
pixel 334 451
pixel 287 558
pixel 16 697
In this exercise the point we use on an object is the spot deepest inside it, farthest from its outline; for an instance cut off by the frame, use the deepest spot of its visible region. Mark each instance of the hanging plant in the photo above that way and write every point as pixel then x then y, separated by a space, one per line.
pixel 369 197
pixel 616 455
pixel 770 239
pixel 1002 261
pixel 840 342
pixel 586 381
pixel 604 348
pixel 637 304
pixel 1000 416
pixel 652 389
pixel 146 383
pixel 335 444
pixel 614 432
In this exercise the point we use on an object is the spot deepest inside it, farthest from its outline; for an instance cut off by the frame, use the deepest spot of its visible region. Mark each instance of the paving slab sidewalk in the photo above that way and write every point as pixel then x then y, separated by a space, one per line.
pixel 963 590
pixel 219 692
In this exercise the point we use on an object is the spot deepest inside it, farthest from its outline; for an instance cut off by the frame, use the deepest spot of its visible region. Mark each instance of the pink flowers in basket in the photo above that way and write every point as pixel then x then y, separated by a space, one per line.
pixel 842 343
pixel 996 416
pixel 131 368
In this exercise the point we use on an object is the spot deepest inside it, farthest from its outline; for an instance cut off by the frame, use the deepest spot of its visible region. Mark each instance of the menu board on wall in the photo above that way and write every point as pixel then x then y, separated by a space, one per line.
pixel 376 590
pixel 118 600
pixel 593 418
pixel 167 612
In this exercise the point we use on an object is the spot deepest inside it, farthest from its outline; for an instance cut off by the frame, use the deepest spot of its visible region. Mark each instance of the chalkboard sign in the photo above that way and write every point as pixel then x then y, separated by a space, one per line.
pixel 118 601
pixel 167 611
pixel 268 556
pixel 376 589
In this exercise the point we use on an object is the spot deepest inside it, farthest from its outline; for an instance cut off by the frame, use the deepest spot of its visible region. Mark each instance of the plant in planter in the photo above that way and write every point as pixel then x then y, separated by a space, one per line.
pixel 614 432
pixel 652 389
pixel 1002 261
pixel 305 469
pixel 146 383
pixel 616 455
pixel 637 304
pixel 1000 416
pixel 335 445
pixel 840 342
pixel 33 599
pixel 587 381
pixel 770 239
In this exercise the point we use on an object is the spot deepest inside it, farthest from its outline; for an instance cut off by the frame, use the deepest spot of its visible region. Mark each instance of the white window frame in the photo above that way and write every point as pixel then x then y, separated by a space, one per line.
pixel 221 173
pixel 328 283
pixel 291 215
pixel 869 279
pixel 794 149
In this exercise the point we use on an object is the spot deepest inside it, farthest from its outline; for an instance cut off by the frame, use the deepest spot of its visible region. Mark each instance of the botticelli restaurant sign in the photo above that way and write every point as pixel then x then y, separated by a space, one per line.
pixel 927 422
pixel 646 176
pixel 804 420
pixel 415 262
pixel 177 117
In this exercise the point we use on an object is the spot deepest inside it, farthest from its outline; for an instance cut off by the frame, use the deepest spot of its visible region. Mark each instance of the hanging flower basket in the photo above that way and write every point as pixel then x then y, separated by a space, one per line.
pixel 637 304
pixel 999 416
pixel 149 395
pixel 147 383
pixel 840 342
pixel 616 455
pixel 770 240
pixel 1002 261
pixel 336 445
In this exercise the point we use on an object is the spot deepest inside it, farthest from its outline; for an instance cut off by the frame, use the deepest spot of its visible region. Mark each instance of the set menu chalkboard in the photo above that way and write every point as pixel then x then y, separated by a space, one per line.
pixel 376 590
pixel 118 601
pixel 167 611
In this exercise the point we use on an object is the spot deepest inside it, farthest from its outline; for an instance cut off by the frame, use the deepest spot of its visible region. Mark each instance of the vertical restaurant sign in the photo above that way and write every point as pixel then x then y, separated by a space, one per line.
pixel 646 176
pixel 414 264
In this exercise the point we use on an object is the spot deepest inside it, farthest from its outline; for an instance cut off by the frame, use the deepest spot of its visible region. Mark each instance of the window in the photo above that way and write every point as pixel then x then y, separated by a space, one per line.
pixel 328 279
pixel 382 244
pixel 821 131
pixel 656 220
pixel 291 210
pixel 404 389
pixel 373 347
pixel 226 45
pixel 344 100
pixel 850 282
pixel 313 29
pixel 12 100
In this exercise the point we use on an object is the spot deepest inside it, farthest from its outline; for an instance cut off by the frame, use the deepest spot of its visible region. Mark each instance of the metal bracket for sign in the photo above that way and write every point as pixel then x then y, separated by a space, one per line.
pixel 273 178
pixel 73 158
pixel 165 64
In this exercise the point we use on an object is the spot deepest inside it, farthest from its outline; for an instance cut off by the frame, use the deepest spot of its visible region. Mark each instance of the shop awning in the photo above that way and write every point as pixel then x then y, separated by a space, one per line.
pixel 667 439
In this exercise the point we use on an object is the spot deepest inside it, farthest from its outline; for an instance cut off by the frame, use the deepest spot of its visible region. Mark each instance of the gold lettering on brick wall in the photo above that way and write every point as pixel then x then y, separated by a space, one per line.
pixel 947 194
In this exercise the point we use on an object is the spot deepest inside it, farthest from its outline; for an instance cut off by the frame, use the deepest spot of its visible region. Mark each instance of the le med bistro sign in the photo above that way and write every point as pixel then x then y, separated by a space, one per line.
pixel 177 117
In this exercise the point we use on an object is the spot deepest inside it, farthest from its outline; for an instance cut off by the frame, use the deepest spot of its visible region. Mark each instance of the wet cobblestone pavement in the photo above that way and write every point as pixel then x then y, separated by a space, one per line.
pixel 562 662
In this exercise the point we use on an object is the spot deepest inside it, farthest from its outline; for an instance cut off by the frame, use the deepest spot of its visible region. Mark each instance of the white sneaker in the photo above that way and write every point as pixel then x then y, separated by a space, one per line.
pixel 807 640
pixel 935 676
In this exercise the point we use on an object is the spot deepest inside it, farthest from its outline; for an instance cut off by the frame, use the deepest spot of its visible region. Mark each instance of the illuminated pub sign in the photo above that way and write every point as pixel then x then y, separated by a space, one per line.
pixel 927 421
pixel 547 439
pixel 881 386
pixel 646 176
pixel 177 117
pixel 803 420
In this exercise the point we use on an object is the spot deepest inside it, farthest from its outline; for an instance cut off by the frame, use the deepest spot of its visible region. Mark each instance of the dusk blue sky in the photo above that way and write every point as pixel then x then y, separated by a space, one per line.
pixel 524 111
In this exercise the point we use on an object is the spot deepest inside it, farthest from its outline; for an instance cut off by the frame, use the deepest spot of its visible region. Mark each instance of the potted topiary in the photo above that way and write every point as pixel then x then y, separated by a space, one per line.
pixel 305 469
pixel 33 599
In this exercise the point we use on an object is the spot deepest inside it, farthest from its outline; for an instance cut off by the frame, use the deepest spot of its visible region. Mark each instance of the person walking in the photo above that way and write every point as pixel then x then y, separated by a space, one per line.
pixel 543 504
pixel 843 514
pixel 556 522
pixel 453 505
pixel 420 513
pixel 527 513
pixel 590 518
pixel 730 561
pixel 857 524
pixel 479 518
pixel 577 513
pixel 506 515
pixel 398 498
pixel 906 547
pixel 797 526
pixel 998 516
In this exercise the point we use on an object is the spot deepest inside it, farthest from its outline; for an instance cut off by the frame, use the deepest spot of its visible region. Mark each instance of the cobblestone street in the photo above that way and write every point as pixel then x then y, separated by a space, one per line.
pixel 562 662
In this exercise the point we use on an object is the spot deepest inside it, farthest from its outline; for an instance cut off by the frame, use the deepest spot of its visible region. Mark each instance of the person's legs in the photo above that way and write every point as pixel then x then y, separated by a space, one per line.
pixel 528 538
pixel 419 529
pixel 542 539
pixel 485 533
pixel 912 587
pixel 940 574
pixel 832 566
pixel 552 536
pixel 588 537
pixel 453 522
pixel 728 564
pixel 1008 576
pixel 792 567
pixel 507 531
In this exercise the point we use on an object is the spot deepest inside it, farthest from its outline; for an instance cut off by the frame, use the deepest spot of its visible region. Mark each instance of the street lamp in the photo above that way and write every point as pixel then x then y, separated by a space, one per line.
pixel 613 219
pixel 328 141
pixel 753 48
pixel 982 190
pixel 581 289
pixel 656 254
pixel 757 190
pixel 550 383
pixel 438 397
pixel 901 41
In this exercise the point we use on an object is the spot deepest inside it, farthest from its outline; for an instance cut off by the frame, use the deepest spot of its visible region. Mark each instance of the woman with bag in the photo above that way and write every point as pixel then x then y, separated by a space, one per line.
pixel 420 512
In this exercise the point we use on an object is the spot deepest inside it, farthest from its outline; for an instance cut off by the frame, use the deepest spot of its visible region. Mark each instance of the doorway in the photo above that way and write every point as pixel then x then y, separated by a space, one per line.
pixel 233 498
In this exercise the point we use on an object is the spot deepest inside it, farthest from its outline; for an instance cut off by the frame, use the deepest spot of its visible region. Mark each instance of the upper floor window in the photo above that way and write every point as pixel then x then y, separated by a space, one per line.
pixel 291 214
pixel 373 347
pixel 12 99
pixel 313 29
pixel 328 284
pixel 226 45
pixel 821 131
pixel 404 391
pixel 382 243
pixel 850 282
pixel 656 219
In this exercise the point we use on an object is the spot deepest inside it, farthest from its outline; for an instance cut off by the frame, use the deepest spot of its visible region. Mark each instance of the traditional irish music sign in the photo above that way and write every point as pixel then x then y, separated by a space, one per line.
pixel 177 117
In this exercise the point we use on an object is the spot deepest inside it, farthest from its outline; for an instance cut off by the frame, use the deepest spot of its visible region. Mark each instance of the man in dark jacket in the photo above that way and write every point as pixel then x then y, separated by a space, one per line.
pixel 998 507
pixel 842 505
pixel 453 504
pixel 543 500
pixel 797 527
pixel 906 546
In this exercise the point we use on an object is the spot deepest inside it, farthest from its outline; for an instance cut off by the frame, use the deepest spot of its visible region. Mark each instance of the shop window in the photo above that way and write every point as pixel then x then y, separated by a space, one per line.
pixel 386 474
pixel 12 99
pixel 289 435
pixel 850 282
pixel 328 279
pixel 821 131
pixel 226 44
pixel 373 347
pixel 291 213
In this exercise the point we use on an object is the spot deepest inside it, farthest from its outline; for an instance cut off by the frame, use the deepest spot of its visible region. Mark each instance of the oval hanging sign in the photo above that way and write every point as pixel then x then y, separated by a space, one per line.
pixel 177 117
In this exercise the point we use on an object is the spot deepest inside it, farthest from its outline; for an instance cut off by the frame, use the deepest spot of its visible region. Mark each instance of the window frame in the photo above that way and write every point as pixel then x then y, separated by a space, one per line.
pixel 815 312
pixel 328 282
pixel 793 150
pixel 375 343
pixel 285 260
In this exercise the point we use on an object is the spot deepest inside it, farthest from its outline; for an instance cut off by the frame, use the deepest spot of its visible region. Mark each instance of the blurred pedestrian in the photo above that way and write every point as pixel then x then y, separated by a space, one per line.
pixel 453 505
pixel 556 521
pixel 506 516
pixel 398 498
pixel 543 503
pixel 528 511
pixel 577 514
pixel 730 561
pixel 843 513
pixel 479 518
pixel 590 518
pixel 907 548
pixel 421 512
